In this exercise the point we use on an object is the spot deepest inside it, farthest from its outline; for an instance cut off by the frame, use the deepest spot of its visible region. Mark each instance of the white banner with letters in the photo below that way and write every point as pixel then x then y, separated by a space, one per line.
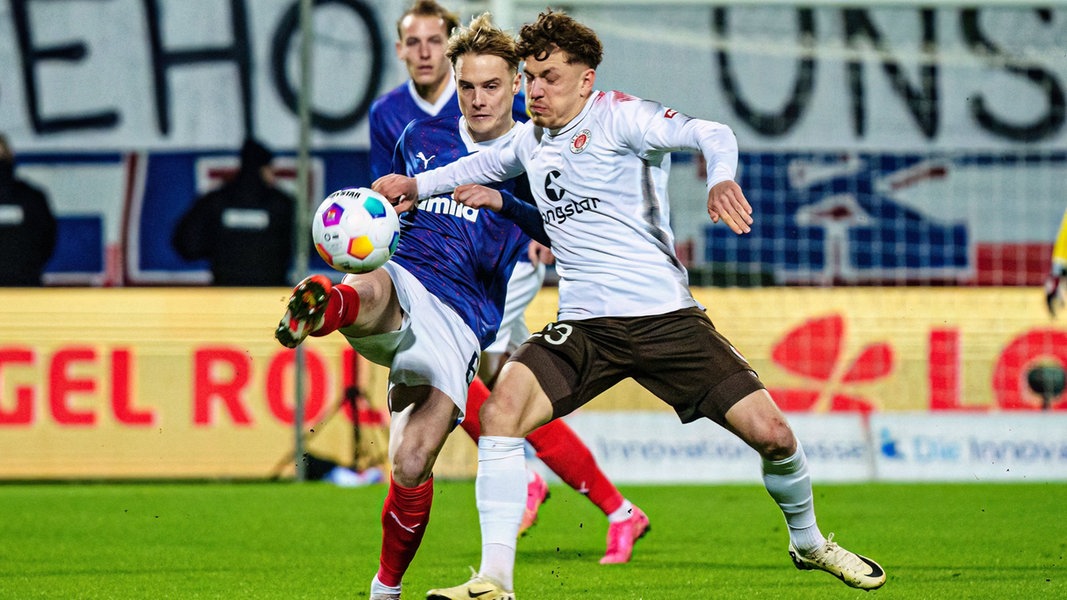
pixel 989 447
pixel 654 447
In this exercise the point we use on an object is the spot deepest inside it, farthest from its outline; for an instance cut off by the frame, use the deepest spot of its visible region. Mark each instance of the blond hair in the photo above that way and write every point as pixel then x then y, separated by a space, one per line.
pixel 482 37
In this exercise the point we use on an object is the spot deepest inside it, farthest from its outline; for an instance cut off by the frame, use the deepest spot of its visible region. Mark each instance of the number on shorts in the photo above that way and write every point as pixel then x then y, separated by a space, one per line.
pixel 472 368
pixel 555 333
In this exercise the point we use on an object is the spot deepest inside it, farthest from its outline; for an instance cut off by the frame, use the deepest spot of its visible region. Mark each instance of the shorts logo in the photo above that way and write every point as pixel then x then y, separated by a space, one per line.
pixel 670 113
pixel 580 141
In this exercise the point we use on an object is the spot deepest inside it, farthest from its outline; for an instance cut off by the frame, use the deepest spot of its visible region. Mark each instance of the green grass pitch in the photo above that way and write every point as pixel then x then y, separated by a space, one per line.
pixel 283 540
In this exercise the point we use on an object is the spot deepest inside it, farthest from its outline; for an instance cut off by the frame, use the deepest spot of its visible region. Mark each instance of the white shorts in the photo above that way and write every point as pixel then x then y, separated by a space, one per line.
pixel 432 347
pixel 525 282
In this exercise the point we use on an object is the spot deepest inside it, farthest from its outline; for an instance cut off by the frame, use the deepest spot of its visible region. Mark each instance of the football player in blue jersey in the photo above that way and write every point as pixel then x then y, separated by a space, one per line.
pixel 422 36
pixel 431 309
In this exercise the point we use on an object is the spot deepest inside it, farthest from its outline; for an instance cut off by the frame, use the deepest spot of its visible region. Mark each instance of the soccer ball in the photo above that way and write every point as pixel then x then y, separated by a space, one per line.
pixel 355 230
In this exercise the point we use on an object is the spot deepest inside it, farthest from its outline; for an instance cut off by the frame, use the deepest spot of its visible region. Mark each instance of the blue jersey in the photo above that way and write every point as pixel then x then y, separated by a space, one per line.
pixel 463 256
pixel 392 112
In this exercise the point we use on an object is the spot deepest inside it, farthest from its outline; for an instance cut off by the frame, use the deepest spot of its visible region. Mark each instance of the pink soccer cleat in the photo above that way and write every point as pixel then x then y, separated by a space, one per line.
pixel 622 535
pixel 536 494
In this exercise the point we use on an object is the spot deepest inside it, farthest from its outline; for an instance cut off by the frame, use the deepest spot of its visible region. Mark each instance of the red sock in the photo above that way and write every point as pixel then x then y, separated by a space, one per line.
pixel 476 396
pixel 404 519
pixel 564 452
pixel 341 310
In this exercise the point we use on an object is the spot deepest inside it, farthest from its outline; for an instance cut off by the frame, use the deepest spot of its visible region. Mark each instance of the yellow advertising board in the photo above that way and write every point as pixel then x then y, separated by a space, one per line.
pixel 187 382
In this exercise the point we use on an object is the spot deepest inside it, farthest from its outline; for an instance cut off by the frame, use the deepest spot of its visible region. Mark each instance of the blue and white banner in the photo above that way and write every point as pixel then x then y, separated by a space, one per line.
pixel 654 447
pixel 991 447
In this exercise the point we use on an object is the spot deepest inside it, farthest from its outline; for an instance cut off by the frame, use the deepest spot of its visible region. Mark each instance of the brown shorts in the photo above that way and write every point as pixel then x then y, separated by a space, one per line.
pixel 678 356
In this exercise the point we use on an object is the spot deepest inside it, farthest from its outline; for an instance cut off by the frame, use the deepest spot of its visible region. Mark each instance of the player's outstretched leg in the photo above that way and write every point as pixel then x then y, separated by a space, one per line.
pixel 855 570
pixel 481 587
pixel 305 310
pixel 789 482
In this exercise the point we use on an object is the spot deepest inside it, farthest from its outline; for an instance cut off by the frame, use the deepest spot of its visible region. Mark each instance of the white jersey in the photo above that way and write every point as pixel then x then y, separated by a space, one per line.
pixel 601 187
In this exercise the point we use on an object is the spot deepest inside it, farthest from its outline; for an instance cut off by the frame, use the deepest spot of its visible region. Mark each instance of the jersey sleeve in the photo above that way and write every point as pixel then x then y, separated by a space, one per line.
pixel 651 128
pixel 491 165
pixel 526 216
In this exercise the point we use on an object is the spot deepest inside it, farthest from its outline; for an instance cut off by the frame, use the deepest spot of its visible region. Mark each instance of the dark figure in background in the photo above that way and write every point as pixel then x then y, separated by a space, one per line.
pixel 244 228
pixel 27 226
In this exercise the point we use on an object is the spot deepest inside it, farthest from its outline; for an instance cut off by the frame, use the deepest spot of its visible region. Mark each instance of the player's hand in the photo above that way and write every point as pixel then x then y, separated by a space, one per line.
pixel 727 203
pixel 1054 292
pixel 540 254
pixel 478 196
pixel 402 192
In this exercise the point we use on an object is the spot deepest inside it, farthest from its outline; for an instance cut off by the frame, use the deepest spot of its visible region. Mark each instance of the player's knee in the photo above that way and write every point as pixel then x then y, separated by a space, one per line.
pixel 411 469
pixel 501 415
pixel 776 442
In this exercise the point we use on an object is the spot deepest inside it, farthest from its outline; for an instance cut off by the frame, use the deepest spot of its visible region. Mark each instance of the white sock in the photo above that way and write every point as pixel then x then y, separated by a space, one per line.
pixel 377 587
pixel 624 512
pixel 789 483
pixel 500 491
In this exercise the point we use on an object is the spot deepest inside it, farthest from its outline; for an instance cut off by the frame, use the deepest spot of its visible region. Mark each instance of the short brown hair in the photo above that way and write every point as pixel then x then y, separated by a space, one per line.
pixel 481 37
pixel 428 8
pixel 557 30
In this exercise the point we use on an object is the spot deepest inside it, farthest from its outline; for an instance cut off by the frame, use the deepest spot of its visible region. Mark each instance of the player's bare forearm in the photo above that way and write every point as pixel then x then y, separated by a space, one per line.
pixel 402 192
pixel 727 203
pixel 478 196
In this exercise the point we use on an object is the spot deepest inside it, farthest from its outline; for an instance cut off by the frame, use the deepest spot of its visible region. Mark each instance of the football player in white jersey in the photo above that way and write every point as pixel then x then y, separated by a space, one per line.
pixel 597 164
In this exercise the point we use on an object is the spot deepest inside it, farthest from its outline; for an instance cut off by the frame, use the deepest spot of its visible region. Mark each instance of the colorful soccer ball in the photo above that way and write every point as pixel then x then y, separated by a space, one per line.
pixel 355 230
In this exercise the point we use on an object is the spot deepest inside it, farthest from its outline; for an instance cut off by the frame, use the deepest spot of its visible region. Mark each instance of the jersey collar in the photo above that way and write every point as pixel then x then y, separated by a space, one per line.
pixel 473 146
pixel 434 108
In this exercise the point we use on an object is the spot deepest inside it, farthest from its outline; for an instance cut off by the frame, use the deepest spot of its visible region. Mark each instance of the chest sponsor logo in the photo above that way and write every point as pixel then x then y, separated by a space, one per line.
pixel 553 190
pixel 566 207
pixel 445 205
